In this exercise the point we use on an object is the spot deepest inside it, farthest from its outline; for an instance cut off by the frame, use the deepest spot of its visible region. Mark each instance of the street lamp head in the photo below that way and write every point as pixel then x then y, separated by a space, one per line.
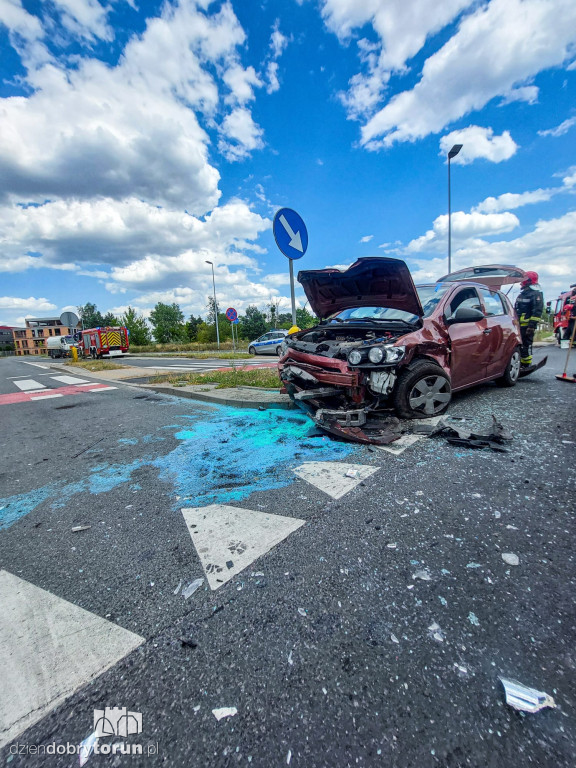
pixel 208 262
pixel 454 151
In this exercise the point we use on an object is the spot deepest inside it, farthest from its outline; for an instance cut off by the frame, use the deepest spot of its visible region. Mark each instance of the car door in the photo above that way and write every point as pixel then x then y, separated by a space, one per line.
pixel 264 344
pixel 500 332
pixel 469 342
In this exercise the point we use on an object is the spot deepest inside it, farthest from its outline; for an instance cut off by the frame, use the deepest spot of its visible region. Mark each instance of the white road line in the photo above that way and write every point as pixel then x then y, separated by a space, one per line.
pixel 69 380
pixel 333 477
pixel 49 649
pixel 27 384
pixel 23 376
pixel 45 397
pixel 104 389
pixel 35 364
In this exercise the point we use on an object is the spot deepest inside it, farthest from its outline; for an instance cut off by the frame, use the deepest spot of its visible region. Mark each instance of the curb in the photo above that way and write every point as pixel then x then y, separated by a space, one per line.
pixel 286 405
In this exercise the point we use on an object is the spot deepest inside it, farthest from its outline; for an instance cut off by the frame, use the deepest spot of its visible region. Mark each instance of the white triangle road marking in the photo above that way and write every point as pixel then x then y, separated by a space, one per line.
pixel 399 446
pixel 229 539
pixel 49 648
pixel 331 476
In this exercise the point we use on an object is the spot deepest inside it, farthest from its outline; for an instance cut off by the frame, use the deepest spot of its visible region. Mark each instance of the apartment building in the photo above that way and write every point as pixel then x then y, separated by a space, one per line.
pixel 31 340
pixel 6 336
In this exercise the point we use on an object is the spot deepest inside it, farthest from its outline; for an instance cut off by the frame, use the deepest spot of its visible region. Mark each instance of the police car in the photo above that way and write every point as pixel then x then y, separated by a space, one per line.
pixel 268 344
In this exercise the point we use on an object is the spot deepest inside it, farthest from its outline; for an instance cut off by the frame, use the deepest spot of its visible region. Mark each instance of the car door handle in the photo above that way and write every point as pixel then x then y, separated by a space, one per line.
pixel 487 330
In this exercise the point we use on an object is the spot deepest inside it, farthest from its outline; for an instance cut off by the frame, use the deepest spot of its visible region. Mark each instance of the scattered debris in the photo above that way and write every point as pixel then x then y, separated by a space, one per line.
pixel 87 747
pixel 81 528
pixel 87 449
pixel 289 757
pixel 424 575
pixel 461 670
pixel 473 565
pixel 188 642
pixel 351 473
pixel 290 659
pixel 526 699
pixel 497 515
pixel 178 588
pixel 466 439
pixel 191 588
pixel 443 600
pixel 219 714
pixel 435 632
pixel 473 619
pixel 392 545
pixel 302 611
pixel 510 558
pixel 394 639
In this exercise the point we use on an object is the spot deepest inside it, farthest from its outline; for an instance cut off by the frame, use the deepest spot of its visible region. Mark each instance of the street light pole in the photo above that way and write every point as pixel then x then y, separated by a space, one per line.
pixel 215 305
pixel 453 152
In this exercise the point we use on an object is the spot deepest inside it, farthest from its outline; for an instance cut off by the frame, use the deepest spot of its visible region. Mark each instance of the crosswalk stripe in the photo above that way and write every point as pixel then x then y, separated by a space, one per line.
pixel 27 384
pixel 70 380
pixel 49 649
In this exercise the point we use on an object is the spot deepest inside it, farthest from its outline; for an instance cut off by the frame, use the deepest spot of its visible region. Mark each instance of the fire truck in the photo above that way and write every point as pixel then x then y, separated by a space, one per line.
pixel 561 313
pixel 97 342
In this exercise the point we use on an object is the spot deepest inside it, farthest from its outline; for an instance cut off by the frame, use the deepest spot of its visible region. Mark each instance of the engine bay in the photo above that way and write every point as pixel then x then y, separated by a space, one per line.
pixel 337 342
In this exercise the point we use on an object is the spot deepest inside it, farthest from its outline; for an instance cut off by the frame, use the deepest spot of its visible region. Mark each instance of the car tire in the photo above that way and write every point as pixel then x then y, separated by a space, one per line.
pixel 251 351
pixel 559 337
pixel 279 351
pixel 512 371
pixel 423 390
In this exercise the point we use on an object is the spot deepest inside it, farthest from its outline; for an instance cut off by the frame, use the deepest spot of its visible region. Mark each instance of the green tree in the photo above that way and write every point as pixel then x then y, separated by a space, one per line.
pixel 110 319
pixel 167 323
pixel 252 324
pixel 223 322
pixel 137 325
pixel 304 319
pixel 90 316
pixel 192 327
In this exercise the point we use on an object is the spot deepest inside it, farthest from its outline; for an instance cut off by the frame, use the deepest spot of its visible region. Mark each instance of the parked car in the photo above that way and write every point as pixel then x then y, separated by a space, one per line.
pixel 383 343
pixel 268 344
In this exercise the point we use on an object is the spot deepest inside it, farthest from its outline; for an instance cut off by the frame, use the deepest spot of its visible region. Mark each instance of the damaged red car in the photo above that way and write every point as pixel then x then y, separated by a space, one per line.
pixel 385 345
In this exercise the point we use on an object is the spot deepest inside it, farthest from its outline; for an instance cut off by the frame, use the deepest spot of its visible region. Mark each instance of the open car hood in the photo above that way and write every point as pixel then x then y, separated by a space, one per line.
pixel 369 282
pixel 493 275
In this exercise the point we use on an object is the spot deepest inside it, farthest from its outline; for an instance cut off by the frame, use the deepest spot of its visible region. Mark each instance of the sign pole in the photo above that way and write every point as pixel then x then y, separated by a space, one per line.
pixel 292 291
pixel 232 329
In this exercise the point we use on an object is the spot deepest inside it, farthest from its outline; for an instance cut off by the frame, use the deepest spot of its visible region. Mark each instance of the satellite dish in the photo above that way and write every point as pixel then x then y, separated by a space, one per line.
pixel 69 319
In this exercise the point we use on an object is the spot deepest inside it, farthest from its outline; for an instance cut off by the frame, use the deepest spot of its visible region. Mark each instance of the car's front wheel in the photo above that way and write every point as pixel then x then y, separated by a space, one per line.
pixel 510 376
pixel 251 350
pixel 279 350
pixel 422 390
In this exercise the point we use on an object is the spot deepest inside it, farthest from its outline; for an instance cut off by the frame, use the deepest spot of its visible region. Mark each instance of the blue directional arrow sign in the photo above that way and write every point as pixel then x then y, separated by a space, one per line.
pixel 290 233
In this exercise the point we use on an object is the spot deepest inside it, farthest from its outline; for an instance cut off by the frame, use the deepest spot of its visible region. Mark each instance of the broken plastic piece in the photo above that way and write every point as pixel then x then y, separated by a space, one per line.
pixel 526 699
pixel 302 611
pixel 351 473
pixel 424 575
pixel 87 747
pixel 80 528
pixel 510 558
pixel 435 632
pixel 394 638
pixel 224 712
pixel 188 642
pixel 178 588
pixel 473 619
pixel 191 588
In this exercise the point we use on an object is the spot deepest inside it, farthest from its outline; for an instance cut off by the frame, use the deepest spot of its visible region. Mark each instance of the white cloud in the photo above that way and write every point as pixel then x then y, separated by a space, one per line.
pixel 132 129
pixel 527 93
pixel 509 200
pixel 487 57
pixel 14 310
pixel 278 43
pixel 479 143
pixel 84 18
pixel 464 227
pixel 559 130
pixel 241 133
pixel 366 238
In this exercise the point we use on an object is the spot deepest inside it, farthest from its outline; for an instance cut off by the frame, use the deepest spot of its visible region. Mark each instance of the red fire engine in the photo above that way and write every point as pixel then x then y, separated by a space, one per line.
pixel 96 342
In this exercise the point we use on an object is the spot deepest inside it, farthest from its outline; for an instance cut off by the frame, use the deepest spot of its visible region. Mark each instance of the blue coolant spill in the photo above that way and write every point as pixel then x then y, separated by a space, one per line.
pixel 224 454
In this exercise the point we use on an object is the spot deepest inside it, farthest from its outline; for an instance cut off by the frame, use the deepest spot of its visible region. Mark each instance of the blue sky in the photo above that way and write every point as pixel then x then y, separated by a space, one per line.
pixel 139 139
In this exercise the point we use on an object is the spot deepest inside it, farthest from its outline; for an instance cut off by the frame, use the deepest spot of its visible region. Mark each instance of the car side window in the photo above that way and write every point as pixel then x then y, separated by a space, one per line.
pixel 492 303
pixel 467 297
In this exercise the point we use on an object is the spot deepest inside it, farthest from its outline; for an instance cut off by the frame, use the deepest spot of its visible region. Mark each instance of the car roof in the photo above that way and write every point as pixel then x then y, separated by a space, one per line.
pixel 459 284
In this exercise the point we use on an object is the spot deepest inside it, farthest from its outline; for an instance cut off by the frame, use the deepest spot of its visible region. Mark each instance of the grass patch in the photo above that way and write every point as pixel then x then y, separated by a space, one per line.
pixel 240 377
pixel 95 365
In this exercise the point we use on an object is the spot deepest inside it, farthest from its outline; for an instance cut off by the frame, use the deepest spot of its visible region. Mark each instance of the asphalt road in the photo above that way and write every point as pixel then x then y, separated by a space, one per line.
pixel 329 645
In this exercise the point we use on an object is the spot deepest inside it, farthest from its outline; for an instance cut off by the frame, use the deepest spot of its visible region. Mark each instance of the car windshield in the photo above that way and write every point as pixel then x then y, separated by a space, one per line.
pixel 69 339
pixel 429 296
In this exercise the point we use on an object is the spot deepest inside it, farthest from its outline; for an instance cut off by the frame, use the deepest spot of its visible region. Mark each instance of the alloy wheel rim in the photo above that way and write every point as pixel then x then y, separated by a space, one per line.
pixel 514 366
pixel 429 395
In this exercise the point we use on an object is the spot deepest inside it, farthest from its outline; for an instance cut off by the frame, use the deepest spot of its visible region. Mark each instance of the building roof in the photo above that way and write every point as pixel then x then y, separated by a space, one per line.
pixel 41 319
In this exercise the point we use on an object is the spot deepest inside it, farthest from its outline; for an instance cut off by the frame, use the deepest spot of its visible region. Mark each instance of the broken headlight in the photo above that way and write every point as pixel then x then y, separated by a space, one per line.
pixel 355 357
pixel 393 354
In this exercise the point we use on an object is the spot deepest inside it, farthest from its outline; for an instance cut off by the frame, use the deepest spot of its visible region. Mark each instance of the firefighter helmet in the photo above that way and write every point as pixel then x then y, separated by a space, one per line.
pixel 531 278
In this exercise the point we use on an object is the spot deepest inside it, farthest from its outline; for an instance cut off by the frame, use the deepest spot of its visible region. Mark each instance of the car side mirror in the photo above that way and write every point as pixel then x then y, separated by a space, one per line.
pixel 465 315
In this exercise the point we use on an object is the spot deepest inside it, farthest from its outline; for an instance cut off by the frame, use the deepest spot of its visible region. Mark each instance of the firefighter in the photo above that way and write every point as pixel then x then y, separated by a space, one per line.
pixel 570 313
pixel 529 306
